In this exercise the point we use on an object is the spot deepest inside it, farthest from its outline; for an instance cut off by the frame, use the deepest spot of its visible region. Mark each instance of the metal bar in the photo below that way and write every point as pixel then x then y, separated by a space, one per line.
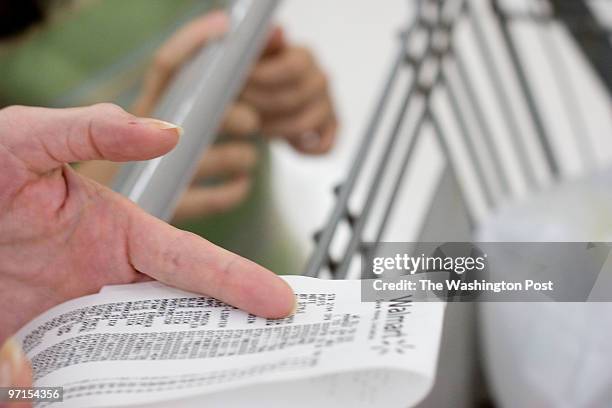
pixel 442 50
pixel 482 122
pixel 431 117
pixel 565 83
pixel 529 17
pixel 526 90
pixel 196 100
pixel 414 136
pixel 360 222
pixel 589 33
pixel 503 98
pixel 467 140
pixel 340 211
pixel 445 148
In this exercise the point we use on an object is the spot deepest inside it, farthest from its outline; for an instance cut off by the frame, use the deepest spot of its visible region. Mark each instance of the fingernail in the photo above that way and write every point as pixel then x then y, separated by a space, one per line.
pixel 309 140
pixel 161 124
pixel 11 361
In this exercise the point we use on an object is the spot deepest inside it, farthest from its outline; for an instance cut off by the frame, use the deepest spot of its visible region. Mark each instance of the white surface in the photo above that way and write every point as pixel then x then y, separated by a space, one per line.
pixel 207 354
pixel 566 361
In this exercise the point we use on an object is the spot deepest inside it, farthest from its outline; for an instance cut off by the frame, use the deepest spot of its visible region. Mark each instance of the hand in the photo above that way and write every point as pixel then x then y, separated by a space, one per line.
pixel 296 106
pixel 287 94
pixel 231 162
pixel 15 371
pixel 63 235
pixel 290 92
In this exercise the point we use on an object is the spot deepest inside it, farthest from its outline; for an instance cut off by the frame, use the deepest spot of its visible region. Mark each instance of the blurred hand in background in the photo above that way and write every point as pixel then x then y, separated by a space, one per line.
pixel 290 93
pixel 286 97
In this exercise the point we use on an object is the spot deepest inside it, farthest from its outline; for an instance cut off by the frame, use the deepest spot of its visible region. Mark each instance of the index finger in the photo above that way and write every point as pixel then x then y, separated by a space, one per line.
pixel 187 261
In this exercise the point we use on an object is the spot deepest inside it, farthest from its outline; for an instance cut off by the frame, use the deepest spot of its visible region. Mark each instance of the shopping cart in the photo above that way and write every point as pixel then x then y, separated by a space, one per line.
pixel 462 77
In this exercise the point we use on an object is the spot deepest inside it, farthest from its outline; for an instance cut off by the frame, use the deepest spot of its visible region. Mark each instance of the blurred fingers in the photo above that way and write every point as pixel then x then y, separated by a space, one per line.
pixel 287 99
pixel 291 93
pixel 233 163
pixel 309 120
pixel 175 53
pixel 241 121
pixel 15 370
pixel 199 201
pixel 232 158
pixel 317 142
pixel 283 68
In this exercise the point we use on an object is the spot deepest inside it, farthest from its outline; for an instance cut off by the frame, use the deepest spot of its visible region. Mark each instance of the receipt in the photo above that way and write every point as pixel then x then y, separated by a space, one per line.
pixel 148 344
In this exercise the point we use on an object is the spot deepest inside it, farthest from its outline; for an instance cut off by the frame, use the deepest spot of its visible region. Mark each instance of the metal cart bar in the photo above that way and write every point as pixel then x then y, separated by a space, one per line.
pixel 197 100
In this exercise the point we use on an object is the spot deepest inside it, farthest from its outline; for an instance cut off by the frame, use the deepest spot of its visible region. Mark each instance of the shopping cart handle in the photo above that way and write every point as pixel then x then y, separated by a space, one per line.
pixel 197 100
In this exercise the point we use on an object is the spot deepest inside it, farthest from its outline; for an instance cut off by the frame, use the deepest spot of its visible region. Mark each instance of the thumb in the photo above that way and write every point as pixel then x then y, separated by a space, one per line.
pixel 15 370
pixel 45 139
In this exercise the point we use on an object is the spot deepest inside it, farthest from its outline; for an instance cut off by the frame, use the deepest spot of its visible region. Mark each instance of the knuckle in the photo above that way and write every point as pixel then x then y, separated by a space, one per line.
pixel 91 118
pixel 15 116
pixel 12 116
pixel 14 110
pixel 108 108
pixel 174 259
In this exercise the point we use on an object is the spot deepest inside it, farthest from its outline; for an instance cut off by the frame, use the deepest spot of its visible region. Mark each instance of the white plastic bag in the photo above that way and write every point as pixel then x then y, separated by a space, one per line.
pixel 552 354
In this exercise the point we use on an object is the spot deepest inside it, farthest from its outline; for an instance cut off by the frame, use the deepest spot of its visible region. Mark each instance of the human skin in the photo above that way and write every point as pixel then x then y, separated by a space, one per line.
pixel 63 236
pixel 286 97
